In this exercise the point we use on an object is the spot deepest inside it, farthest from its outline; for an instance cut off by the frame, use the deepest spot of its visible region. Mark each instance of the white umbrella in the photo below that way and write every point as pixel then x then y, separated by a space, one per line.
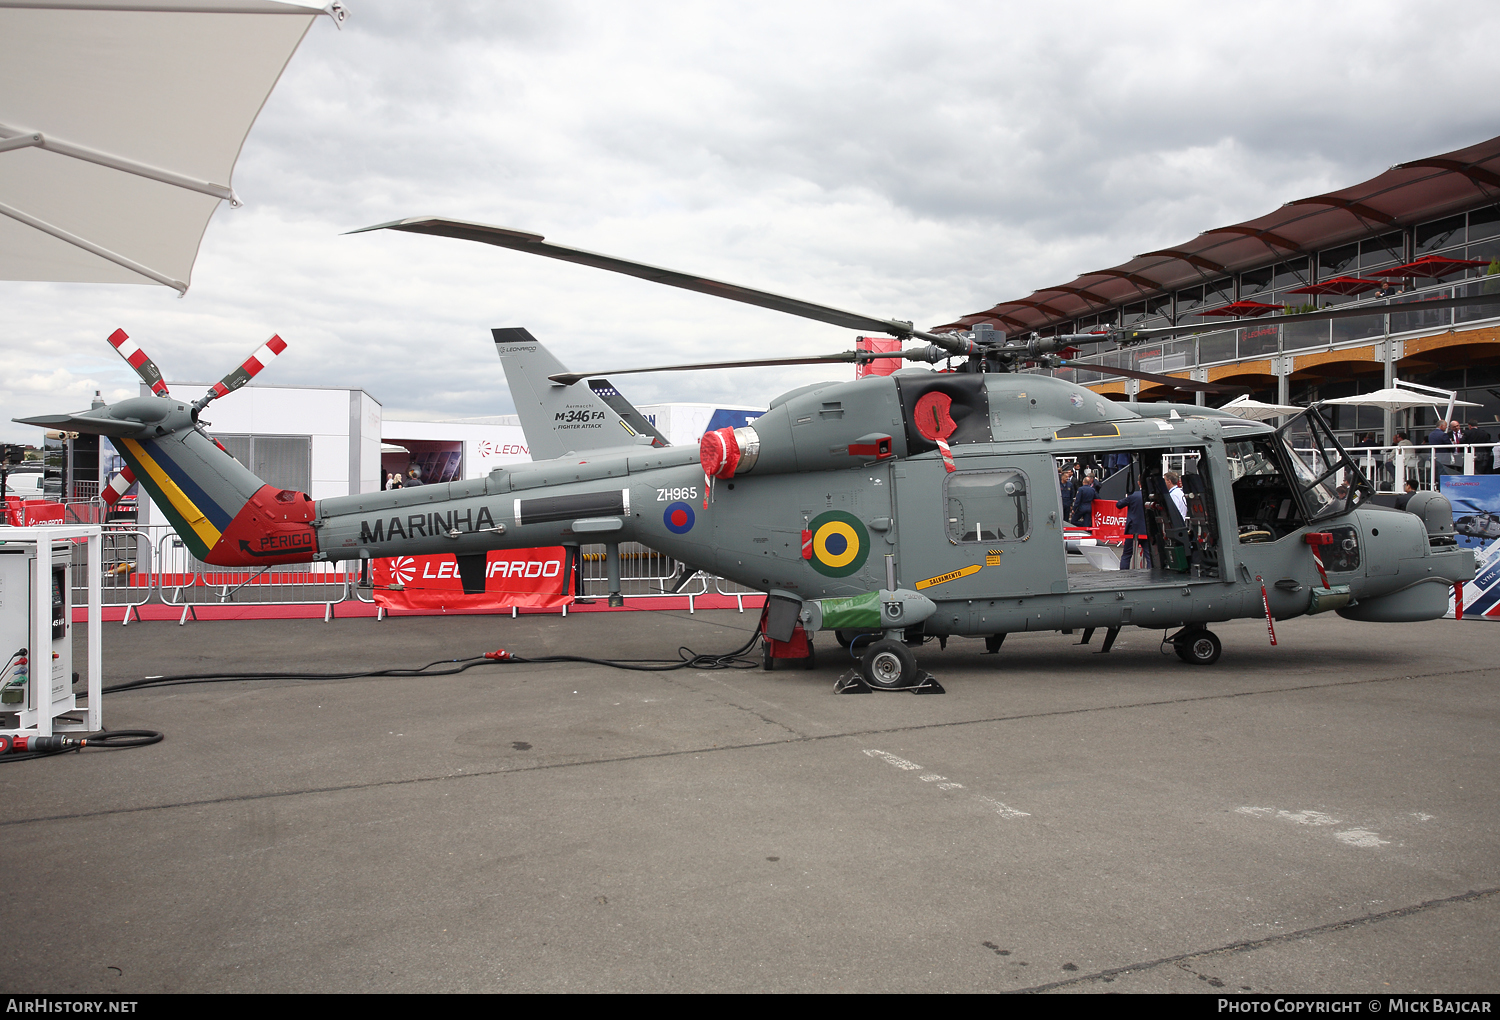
pixel 1393 399
pixel 120 123
pixel 1247 408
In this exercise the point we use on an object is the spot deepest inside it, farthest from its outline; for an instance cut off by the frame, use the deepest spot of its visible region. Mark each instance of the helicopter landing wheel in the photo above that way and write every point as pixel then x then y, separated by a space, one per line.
pixel 1198 647
pixel 888 664
pixel 768 663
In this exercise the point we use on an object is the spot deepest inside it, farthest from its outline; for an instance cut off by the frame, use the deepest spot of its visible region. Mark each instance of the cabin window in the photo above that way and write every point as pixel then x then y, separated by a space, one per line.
pixel 987 506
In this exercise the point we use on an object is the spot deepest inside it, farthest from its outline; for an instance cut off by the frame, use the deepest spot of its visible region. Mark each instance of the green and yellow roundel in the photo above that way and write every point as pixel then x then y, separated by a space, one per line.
pixel 840 543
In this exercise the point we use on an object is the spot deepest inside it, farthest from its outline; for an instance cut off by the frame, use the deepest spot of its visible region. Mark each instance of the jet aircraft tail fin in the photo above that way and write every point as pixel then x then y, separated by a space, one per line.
pixel 558 419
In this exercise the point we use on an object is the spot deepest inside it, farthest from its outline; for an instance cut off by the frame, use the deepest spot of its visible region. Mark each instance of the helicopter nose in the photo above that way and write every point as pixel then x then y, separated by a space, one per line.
pixel 1412 562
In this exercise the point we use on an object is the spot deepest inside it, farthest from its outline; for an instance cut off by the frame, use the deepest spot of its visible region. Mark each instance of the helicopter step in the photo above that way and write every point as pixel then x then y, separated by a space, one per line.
pixel 1109 638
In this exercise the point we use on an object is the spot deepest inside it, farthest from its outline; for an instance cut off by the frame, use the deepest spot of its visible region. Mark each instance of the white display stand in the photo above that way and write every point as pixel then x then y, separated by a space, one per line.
pixel 42 720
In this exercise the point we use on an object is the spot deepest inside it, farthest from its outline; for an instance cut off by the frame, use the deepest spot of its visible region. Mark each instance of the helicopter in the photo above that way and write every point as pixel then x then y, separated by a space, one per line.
pixel 890 509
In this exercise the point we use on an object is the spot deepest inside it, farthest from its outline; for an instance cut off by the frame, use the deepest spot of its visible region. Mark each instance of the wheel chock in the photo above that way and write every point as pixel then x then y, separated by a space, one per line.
pixel 851 683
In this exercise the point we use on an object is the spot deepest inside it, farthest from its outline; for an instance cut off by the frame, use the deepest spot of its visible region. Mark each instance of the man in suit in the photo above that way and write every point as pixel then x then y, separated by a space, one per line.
pixel 1135 529
pixel 1083 502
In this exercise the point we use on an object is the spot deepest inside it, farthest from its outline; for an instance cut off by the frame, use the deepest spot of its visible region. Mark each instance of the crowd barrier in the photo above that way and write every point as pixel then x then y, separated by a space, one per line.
pixel 152 564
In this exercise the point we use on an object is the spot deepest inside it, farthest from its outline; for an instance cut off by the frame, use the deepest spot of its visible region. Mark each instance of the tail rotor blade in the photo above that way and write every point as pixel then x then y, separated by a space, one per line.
pixel 248 370
pixel 137 359
pixel 117 487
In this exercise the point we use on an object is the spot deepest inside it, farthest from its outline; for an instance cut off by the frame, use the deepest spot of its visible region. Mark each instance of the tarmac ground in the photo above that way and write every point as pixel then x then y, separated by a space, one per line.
pixel 1320 816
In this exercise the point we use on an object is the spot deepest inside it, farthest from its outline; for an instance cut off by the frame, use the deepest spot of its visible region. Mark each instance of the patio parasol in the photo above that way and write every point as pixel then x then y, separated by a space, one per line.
pixel 120 124
pixel 1258 411
pixel 1435 266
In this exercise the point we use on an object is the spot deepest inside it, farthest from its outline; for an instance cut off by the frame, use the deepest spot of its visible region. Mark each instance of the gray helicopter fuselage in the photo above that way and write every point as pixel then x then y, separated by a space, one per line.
pixel 814 514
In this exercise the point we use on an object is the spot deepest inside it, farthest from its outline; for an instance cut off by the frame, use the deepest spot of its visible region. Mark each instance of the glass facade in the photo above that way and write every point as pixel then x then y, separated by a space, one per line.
pixel 1472 235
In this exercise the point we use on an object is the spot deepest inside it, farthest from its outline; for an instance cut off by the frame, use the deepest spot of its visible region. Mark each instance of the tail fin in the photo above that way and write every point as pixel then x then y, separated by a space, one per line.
pixel 559 419
pixel 222 511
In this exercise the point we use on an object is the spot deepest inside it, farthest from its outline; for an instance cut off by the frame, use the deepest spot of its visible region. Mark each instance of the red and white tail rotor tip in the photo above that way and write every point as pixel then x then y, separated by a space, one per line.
pixel 138 360
pixel 117 487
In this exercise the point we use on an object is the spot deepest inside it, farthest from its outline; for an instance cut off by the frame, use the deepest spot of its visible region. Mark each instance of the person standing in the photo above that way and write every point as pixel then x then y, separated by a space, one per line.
pixel 1083 502
pixel 414 476
pixel 1135 529
pixel 1481 440
pixel 1176 495
pixel 1442 442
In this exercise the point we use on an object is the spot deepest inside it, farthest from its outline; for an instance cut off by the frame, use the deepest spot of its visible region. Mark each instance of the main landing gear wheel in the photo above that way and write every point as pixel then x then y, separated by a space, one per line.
pixel 1198 647
pixel 888 664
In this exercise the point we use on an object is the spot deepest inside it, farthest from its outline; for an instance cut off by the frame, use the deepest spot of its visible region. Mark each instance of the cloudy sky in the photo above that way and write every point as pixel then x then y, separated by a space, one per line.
pixel 916 161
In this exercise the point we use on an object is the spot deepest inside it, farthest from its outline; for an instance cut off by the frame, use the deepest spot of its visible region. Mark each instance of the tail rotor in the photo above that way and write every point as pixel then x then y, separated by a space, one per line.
pixel 144 367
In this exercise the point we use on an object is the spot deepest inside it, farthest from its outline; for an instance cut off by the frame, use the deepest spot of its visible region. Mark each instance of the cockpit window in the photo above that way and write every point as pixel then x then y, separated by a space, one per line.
pixel 1327 478
pixel 1308 467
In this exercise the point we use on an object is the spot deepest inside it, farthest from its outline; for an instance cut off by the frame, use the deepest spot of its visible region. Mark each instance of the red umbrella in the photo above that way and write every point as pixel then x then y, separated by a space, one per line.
pixel 1434 266
pixel 1249 308
pixel 1340 285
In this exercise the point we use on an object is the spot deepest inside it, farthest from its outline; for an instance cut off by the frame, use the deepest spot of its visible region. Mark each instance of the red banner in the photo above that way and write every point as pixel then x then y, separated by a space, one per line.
pixel 28 513
pixel 1109 522
pixel 525 578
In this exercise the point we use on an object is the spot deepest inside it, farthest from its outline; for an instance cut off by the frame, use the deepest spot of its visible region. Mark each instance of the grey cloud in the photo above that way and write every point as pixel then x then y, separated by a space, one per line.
pixel 913 162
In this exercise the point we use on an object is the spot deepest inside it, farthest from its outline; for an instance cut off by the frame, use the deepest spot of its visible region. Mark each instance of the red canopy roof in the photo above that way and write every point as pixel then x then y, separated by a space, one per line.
pixel 1431 265
pixel 1340 285
pixel 1406 194
pixel 1247 308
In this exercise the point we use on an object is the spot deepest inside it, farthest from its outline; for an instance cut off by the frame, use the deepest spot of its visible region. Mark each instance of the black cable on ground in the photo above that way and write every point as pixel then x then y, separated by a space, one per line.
pixel 50 747
pixel 26 748
pixel 686 659
pixel 203 678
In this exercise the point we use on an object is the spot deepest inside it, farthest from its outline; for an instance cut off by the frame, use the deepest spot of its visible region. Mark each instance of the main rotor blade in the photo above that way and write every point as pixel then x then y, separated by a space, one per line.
pixel 1319 316
pixel 535 244
pixel 1168 380
pixel 569 378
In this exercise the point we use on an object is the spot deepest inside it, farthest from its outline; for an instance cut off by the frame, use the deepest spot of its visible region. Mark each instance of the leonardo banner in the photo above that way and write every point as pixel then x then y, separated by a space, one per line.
pixel 497 580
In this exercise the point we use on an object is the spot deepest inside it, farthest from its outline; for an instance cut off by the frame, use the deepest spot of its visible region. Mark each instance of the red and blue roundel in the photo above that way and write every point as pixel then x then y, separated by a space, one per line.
pixel 678 517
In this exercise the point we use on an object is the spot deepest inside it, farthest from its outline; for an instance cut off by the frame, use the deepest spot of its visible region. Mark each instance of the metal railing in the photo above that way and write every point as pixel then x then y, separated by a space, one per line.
pixel 1389 467
pixel 183 580
pixel 127 577
pixel 644 572
pixel 1251 339
pixel 142 564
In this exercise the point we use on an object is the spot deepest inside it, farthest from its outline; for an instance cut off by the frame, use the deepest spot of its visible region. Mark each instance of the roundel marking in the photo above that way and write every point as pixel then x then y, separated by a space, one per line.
pixel 678 517
pixel 840 544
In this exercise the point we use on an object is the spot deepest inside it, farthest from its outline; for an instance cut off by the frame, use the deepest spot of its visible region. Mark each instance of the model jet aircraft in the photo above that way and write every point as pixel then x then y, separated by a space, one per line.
pixel 891 509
